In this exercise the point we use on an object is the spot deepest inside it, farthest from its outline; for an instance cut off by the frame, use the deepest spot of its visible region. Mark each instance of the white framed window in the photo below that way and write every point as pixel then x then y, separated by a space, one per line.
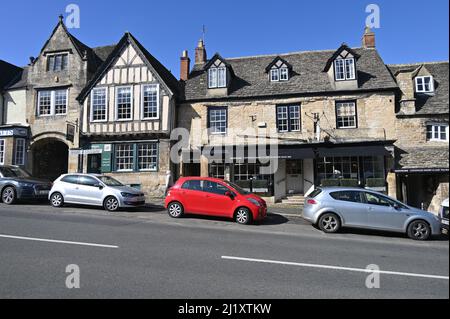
pixel 124 157
pixel 19 153
pixel 57 62
pixel 424 84
pixel 99 105
pixel 346 115
pixel 52 102
pixel 2 152
pixel 288 118
pixel 217 77
pixel 437 132
pixel 124 103
pixel 275 75
pixel 344 69
pixel 218 120
pixel 150 102
pixel 284 74
pixel 148 157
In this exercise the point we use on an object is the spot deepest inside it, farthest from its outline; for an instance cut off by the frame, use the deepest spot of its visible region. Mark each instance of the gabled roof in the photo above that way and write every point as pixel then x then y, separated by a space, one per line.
pixel 278 58
pixel 307 76
pixel 8 72
pixel 216 56
pixel 342 48
pixel 428 104
pixel 165 76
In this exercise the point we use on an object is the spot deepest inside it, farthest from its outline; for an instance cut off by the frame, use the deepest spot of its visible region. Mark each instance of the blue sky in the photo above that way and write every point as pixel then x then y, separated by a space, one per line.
pixel 411 30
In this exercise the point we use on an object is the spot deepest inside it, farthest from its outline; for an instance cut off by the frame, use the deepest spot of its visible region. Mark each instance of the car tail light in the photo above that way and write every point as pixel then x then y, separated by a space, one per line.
pixel 312 202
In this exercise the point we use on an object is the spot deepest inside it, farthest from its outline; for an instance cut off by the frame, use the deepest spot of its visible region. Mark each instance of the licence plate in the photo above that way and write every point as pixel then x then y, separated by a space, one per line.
pixel 43 192
pixel 445 222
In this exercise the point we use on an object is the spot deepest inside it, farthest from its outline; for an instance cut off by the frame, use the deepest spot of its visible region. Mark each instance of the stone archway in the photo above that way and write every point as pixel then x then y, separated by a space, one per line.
pixel 50 158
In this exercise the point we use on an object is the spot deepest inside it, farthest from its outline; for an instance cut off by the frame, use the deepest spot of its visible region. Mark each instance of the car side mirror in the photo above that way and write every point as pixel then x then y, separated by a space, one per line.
pixel 229 194
pixel 396 206
pixel 99 186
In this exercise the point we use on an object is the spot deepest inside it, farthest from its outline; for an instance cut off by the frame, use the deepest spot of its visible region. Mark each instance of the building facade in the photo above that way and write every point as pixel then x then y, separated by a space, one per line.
pixel 422 164
pixel 14 130
pixel 331 114
pixel 128 115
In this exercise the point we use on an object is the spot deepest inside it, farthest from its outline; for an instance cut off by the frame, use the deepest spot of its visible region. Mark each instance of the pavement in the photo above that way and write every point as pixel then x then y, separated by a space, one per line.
pixel 145 254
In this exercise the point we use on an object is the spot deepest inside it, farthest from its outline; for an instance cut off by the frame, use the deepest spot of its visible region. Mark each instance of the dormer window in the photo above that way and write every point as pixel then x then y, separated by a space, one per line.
pixel 278 70
pixel 217 77
pixel 344 69
pixel 424 84
pixel 281 74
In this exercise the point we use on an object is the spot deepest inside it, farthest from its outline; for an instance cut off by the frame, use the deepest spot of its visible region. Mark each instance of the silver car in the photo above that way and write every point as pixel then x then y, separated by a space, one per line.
pixel 95 190
pixel 336 207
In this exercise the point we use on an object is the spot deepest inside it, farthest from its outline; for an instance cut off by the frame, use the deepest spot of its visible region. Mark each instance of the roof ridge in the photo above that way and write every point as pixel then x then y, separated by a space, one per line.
pixel 285 54
pixel 416 63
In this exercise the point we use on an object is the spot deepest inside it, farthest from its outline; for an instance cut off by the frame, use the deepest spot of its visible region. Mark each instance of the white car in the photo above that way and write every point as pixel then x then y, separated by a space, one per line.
pixel 95 190
pixel 443 214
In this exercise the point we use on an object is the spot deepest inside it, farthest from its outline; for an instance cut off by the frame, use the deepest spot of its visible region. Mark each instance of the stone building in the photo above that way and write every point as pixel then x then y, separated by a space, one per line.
pixel 128 115
pixel 330 113
pixel 422 164
pixel 14 131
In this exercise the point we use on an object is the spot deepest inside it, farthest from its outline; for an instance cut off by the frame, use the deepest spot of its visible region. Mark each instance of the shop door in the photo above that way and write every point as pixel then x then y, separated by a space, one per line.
pixel 94 164
pixel 294 177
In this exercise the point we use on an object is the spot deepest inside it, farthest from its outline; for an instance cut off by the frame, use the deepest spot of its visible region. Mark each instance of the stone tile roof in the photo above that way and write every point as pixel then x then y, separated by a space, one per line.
pixel 426 157
pixel 307 77
pixel 8 72
pixel 20 81
pixel 430 104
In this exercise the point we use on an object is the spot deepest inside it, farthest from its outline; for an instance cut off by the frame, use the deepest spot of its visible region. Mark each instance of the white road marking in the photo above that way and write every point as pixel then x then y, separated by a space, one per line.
pixel 335 268
pixel 58 241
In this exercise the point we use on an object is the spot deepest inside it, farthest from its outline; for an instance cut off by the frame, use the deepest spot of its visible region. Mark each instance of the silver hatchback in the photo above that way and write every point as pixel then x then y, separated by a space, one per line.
pixel 336 207
pixel 95 190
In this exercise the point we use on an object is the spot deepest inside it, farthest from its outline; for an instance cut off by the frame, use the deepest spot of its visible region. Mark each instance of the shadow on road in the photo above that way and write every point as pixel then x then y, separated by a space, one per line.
pixel 379 233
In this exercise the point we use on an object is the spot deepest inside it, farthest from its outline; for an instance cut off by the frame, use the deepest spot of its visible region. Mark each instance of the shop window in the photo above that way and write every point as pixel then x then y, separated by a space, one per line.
pixel 2 152
pixel 20 150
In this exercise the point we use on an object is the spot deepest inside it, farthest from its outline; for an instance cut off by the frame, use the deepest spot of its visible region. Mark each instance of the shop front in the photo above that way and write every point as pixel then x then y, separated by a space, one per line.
pixel 14 144
pixel 299 169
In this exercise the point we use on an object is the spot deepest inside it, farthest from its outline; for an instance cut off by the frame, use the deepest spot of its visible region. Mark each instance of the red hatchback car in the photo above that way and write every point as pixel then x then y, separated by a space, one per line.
pixel 214 197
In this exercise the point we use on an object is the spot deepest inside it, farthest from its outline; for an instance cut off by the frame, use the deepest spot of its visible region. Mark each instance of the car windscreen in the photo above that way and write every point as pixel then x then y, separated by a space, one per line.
pixel 14 172
pixel 109 181
pixel 238 189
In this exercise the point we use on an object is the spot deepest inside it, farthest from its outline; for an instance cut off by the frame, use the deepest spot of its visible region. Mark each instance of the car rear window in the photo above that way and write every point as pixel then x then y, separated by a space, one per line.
pixel 315 193
pixel 348 196
pixel 71 179
pixel 194 185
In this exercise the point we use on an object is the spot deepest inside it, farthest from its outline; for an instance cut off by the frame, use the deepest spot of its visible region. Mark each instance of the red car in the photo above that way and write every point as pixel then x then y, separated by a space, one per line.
pixel 214 197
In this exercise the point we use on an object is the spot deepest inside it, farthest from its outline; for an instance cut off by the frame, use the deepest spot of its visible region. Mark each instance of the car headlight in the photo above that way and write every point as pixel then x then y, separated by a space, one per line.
pixel 254 202
pixel 127 195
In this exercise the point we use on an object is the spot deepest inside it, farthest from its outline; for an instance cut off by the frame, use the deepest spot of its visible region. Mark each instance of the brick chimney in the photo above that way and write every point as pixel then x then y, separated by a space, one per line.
pixel 185 66
pixel 368 40
pixel 200 53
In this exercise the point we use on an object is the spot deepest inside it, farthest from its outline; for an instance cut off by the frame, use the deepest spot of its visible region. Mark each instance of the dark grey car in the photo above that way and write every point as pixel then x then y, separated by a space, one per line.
pixel 335 207
pixel 16 184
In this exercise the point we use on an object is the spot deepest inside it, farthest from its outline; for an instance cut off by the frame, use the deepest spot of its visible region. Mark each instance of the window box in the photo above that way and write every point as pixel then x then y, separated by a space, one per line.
pixel 349 183
pixel 331 182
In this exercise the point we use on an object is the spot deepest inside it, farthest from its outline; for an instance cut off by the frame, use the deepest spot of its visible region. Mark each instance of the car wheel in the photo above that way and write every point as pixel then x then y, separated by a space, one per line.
pixel 175 210
pixel 9 195
pixel 111 204
pixel 329 223
pixel 243 216
pixel 57 200
pixel 419 230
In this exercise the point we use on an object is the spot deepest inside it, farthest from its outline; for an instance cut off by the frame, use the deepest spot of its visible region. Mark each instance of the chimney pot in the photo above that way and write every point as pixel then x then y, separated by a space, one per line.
pixel 368 38
pixel 200 53
pixel 185 66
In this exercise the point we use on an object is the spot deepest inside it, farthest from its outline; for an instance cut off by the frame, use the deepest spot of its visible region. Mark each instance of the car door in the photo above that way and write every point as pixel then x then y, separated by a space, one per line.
pixel 351 205
pixel 70 188
pixel 193 198
pixel 89 191
pixel 383 214
pixel 218 203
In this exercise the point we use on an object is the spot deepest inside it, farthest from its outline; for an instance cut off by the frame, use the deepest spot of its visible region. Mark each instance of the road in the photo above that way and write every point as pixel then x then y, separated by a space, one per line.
pixel 145 254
